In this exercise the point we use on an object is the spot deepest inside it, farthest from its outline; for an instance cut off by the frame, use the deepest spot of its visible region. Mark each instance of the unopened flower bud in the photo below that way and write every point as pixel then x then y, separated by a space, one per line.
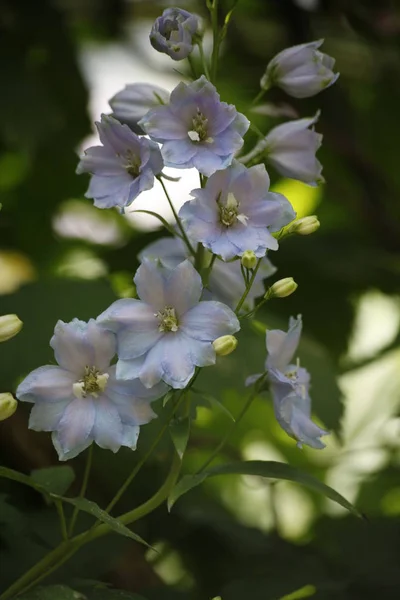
pixel 8 405
pixel 304 226
pixel 10 325
pixel 282 288
pixel 249 259
pixel 225 345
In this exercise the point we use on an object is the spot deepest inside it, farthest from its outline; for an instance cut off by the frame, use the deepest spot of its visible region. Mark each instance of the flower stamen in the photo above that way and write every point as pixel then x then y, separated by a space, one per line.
pixel 199 132
pixel 168 319
pixel 93 383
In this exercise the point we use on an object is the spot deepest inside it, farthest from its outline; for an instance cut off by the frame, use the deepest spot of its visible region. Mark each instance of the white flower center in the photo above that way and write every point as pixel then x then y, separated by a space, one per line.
pixel 93 383
pixel 199 132
pixel 229 213
pixel 168 319
pixel 293 375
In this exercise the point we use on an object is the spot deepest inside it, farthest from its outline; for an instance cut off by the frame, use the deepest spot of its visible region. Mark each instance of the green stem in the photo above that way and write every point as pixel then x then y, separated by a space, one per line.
pixel 248 287
pixel 204 61
pixel 259 97
pixel 177 219
pixel 228 434
pixel 216 42
pixel 63 523
pixel 83 489
pixel 192 67
pixel 64 551
pixel 207 271
pixel 199 260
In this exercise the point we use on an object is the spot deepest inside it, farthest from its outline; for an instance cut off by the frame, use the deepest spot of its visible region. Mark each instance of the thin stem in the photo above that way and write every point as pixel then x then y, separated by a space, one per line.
pixel 204 60
pixel 216 42
pixel 177 219
pixel 65 550
pixel 63 522
pixel 249 286
pixel 228 434
pixel 259 97
pixel 192 67
pixel 83 489
pixel 207 271
pixel 198 263
pixel 252 312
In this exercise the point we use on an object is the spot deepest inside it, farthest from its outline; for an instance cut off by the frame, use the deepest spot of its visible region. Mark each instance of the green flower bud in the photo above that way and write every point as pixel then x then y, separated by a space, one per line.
pixel 10 325
pixel 8 405
pixel 304 226
pixel 225 345
pixel 282 288
pixel 249 259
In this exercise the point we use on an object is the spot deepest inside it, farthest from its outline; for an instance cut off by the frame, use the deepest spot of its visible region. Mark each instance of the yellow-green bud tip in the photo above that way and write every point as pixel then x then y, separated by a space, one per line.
pixel 225 345
pixel 282 288
pixel 249 259
pixel 10 325
pixel 8 405
pixel 305 226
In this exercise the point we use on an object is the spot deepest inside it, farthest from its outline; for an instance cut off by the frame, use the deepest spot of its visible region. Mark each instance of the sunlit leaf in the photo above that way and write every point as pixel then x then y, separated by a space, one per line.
pixel 268 469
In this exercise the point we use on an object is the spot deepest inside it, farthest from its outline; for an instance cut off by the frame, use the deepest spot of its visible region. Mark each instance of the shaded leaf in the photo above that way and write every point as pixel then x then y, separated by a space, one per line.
pixel 259 468
pixel 55 480
pixel 53 592
pixel 180 430
pixel 214 403
pixel 94 509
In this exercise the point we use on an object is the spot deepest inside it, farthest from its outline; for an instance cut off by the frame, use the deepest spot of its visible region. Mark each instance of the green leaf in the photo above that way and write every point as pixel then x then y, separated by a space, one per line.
pixel 259 468
pixel 214 403
pixel 94 509
pixel 55 480
pixel 53 592
pixel 21 478
pixel 180 429
pixel 168 397
pixel 107 594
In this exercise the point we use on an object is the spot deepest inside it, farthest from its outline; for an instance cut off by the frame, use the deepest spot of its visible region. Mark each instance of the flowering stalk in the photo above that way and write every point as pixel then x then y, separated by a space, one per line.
pixel 216 41
pixel 177 219
pixel 248 287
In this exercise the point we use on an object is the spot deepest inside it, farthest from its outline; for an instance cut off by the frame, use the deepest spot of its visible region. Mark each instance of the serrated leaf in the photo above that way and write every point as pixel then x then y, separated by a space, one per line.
pixel 259 468
pixel 53 592
pixel 55 480
pixel 94 509
pixel 179 430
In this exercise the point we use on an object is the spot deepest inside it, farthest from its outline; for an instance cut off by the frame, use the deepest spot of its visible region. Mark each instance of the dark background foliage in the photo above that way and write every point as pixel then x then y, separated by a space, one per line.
pixel 232 536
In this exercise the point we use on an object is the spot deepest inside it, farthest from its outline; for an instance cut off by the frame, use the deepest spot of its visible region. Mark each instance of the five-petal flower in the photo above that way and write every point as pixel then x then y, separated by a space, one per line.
pixel 81 401
pixel 123 167
pixel 169 332
pixel 235 212
pixel 196 128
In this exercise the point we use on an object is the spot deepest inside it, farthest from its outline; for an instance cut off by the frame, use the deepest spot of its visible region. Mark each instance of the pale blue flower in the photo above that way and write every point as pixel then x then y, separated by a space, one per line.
pixel 196 128
pixel 81 401
pixel 289 384
pixel 291 149
pixel 134 102
pixel 173 33
pixel 122 168
pixel 235 212
pixel 226 281
pixel 301 71
pixel 167 333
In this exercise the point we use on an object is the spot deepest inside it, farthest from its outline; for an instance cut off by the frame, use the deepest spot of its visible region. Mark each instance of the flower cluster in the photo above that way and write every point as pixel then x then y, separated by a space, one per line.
pixel 192 288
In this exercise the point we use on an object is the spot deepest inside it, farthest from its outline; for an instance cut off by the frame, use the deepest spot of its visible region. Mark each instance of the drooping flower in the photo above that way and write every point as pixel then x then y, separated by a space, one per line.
pixel 301 71
pixel 289 384
pixel 122 168
pixel 173 33
pixel 169 332
pixel 134 102
pixel 291 149
pixel 225 282
pixel 81 401
pixel 235 212
pixel 196 128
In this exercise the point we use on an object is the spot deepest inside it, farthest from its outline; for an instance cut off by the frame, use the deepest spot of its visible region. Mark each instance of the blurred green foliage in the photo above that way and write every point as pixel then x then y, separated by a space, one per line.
pixel 230 537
